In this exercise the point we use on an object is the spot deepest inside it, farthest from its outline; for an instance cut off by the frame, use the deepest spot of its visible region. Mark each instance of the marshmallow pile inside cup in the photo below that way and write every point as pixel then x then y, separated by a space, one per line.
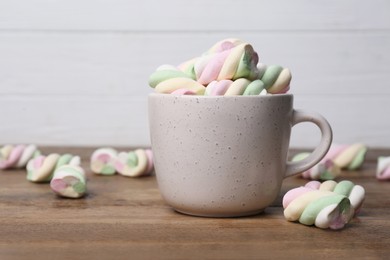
pixel 230 67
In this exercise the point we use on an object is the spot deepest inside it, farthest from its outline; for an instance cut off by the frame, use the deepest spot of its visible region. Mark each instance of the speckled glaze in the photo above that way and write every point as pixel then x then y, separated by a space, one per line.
pixel 218 156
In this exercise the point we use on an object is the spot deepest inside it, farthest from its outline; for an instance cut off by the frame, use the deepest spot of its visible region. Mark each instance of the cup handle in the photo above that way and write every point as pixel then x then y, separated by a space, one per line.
pixel 320 151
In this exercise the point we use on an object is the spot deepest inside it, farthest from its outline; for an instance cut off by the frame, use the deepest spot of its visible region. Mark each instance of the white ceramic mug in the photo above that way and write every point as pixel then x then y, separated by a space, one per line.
pixel 220 156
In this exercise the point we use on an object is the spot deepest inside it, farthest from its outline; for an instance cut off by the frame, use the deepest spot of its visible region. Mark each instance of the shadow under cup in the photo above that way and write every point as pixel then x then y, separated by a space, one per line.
pixel 219 156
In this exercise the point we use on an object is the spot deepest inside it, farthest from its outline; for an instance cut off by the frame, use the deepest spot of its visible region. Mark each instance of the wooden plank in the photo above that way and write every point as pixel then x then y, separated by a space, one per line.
pixel 120 64
pixel 124 218
pixel 202 16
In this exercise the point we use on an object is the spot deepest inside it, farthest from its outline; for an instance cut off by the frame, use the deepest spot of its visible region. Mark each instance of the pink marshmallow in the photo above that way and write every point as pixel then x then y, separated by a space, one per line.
pixel 313 185
pixel 38 161
pixel 213 68
pixel 149 155
pixel 103 157
pixel 294 193
pixel 119 166
pixel 225 46
pixel 183 91
pixel 58 185
pixel 13 158
pixel 385 175
pixel 220 87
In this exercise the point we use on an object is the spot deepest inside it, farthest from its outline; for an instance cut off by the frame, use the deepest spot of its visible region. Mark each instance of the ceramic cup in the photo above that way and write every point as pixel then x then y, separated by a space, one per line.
pixel 220 156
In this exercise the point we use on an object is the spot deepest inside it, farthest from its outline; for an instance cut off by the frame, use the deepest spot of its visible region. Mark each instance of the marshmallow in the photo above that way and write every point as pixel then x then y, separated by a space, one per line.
pixel 229 67
pixel 276 79
pixel 383 168
pixel 135 163
pixel 355 193
pixel 17 156
pixel 103 161
pixel 41 168
pixel 324 209
pixel 324 170
pixel 69 181
pixel 167 79
pixel 339 157
pixel 240 86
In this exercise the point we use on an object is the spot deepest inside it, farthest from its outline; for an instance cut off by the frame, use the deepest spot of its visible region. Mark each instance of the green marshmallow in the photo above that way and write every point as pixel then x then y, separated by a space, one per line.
pixel 29 175
pixel 64 159
pixel 132 160
pixel 76 173
pixel 300 157
pixel 108 170
pixel 162 75
pixel 310 213
pixel 190 71
pixel 254 88
pixel 344 187
pixel 327 175
pixel 271 75
pixel 358 160
pixel 36 154
pixel 247 67
pixel 79 187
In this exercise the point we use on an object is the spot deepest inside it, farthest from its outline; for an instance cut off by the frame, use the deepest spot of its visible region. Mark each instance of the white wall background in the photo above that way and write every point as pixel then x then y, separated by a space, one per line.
pixel 74 72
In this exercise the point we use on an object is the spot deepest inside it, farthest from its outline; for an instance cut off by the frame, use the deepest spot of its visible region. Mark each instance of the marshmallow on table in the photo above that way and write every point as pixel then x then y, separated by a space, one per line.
pixel 383 168
pixel 17 156
pixel 135 163
pixel 41 168
pixel 350 157
pixel 324 209
pixel 69 181
pixel 103 161
pixel 324 170
pixel 355 193
pixel 339 157
pixel 108 161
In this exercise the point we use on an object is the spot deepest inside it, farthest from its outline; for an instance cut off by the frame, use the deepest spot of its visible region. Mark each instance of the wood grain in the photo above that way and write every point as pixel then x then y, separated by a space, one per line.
pixel 124 218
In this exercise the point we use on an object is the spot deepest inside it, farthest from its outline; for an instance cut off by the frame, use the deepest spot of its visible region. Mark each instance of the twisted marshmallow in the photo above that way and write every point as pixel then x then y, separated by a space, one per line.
pixel 230 61
pixel 41 168
pixel 223 45
pixel 240 86
pixel 383 168
pixel 275 78
pixel 319 208
pixel 324 209
pixel 324 170
pixel 69 181
pixel 103 161
pixel 135 163
pixel 349 157
pixel 339 157
pixel 355 193
pixel 167 79
pixel 194 66
pixel 17 156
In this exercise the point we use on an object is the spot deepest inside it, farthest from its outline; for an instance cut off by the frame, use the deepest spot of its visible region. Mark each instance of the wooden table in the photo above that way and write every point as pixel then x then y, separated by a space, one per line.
pixel 125 218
